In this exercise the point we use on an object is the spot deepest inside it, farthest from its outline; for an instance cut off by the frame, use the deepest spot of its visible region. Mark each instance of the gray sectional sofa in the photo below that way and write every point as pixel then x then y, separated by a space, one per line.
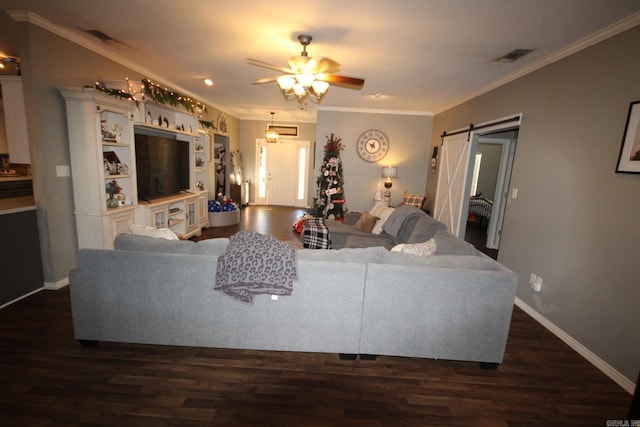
pixel 412 225
pixel 350 301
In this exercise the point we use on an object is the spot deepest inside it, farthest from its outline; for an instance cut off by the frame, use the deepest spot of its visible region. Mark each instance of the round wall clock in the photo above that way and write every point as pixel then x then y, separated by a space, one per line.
pixel 372 145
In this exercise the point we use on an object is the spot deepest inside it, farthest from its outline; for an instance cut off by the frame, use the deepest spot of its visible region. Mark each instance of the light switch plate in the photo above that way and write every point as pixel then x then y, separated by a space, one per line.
pixel 63 170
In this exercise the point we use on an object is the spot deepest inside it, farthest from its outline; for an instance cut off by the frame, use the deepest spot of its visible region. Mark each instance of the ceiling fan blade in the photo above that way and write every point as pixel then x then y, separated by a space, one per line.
pixel 313 65
pixel 266 80
pixel 342 81
pixel 268 66
pixel 327 65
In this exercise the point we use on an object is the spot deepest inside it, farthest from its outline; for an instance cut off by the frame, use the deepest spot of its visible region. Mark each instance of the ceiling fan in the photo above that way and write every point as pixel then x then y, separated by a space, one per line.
pixel 307 77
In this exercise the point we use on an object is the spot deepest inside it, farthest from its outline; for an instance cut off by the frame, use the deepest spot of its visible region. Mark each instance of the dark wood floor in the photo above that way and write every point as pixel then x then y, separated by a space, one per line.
pixel 47 379
pixel 276 221
pixel 476 234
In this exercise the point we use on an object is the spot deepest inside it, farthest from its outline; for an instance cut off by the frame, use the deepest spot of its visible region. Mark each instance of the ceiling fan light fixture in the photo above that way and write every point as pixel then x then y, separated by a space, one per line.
pixel 301 64
pixel 319 87
pixel 286 83
pixel 305 79
pixel 299 90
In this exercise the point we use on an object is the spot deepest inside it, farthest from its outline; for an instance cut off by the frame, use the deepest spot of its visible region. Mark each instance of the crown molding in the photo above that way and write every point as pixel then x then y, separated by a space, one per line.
pixel 74 37
pixel 376 111
pixel 612 30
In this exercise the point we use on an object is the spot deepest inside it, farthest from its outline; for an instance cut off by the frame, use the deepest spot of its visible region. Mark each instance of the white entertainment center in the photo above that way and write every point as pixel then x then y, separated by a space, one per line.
pixel 102 132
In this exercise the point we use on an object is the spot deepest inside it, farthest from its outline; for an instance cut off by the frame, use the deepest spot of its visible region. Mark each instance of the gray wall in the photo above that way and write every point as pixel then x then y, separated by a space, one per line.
pixel 488 174
pixel 43 72
pixel 409 137
pixel 575 221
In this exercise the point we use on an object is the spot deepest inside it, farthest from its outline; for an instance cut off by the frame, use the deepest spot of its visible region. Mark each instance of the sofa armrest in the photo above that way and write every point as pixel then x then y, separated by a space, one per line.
pixel 350 218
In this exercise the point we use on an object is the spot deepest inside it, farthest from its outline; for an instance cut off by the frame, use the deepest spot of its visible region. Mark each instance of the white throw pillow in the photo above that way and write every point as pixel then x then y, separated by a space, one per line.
pixel 427 248
pixel 384 215
pixel 377 210
pixel 162 233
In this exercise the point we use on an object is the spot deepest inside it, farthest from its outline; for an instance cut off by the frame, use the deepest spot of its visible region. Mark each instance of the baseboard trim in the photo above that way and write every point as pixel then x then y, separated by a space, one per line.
pixel 20 298
pixel 54 286
pixel 583 351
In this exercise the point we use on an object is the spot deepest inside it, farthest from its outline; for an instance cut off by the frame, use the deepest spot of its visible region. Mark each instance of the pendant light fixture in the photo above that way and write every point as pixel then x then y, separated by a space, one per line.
pixel 271 134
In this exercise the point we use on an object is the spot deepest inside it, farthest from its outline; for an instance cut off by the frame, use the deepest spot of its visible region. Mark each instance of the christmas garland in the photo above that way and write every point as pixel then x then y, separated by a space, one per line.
pixel 159 95
pixel 119 93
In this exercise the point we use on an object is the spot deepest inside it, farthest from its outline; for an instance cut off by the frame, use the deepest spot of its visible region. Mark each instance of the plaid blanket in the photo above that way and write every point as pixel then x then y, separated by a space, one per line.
pixel 315 235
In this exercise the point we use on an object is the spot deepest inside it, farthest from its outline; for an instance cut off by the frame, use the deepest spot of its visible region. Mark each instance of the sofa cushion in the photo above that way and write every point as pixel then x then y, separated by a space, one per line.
pixel 134 242
pixel 426 228
pixel 464 262
pixel 366 222
pixel 354 255
pixel 427 248
pixel 370 240
pixel 212 247
pixel 448 244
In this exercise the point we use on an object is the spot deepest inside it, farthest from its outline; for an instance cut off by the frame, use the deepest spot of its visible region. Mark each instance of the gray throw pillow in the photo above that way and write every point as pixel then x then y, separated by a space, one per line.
pixel 425 229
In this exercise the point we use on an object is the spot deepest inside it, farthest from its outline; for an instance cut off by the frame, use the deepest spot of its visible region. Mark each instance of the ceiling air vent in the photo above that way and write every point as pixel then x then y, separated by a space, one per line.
pixel 514 55
pixel 102 36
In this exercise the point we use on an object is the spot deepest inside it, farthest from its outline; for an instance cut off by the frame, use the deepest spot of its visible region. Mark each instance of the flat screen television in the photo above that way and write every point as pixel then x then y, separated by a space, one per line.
pixel 162 165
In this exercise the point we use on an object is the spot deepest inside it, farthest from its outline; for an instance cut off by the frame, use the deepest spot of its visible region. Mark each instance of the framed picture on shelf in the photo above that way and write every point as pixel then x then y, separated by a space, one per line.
pixel 218 153
pixel 629 158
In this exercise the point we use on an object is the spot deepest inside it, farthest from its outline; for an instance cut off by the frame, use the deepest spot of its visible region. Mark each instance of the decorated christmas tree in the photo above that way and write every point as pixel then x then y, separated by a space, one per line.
pixel 329 202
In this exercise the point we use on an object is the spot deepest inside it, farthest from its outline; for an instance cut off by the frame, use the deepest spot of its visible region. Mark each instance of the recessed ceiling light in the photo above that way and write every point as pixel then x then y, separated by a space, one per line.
pixel 208 82
pixel 377 95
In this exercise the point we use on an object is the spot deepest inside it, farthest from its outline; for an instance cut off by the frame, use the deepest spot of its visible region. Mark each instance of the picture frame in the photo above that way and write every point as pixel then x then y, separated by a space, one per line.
pixel 629 157
pixel 222 124
pixel 218 153
pixel 284 130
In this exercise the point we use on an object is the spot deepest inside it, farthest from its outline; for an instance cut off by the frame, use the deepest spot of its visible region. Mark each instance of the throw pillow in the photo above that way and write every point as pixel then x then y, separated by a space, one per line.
pixel 366 222
pixel 376 210
pixel 162 233
pixel 427 248
pixel 377 229
pixel 413 200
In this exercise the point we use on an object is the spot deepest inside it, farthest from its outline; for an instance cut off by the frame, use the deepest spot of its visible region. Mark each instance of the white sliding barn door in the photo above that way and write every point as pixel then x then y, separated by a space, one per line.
pixel 452 194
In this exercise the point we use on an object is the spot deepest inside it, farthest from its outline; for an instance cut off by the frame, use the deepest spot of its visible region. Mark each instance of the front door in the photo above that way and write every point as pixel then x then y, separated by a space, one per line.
pixel 282 173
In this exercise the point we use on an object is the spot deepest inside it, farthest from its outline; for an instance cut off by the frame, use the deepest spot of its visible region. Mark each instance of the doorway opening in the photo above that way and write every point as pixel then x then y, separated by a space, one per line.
pixel 473 181
pixel 489 187
pixel 282 171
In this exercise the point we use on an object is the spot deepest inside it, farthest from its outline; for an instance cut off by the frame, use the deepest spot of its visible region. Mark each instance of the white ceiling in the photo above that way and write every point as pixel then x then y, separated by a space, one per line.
pixel 422 55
